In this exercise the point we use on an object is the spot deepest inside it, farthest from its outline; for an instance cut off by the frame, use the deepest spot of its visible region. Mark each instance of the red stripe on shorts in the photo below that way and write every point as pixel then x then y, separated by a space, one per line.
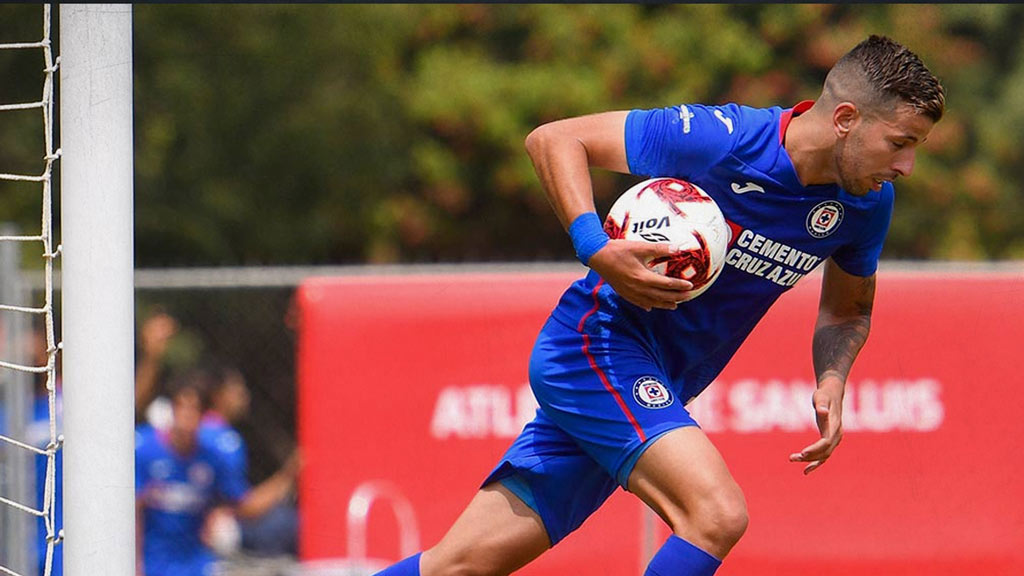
pixel 600 373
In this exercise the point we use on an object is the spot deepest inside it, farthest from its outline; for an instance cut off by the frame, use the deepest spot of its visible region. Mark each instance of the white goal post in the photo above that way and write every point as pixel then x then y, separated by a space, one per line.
pixel 97 302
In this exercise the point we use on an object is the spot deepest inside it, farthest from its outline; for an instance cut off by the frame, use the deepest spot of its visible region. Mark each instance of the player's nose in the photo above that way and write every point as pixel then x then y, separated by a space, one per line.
pixel 903 164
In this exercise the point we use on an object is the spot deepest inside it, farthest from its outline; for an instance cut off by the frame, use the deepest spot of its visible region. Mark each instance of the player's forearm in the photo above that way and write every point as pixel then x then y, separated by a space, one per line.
pixel 836 344
pixel 146 373
pixel 561 164
pixel 563 153
pixel 266 495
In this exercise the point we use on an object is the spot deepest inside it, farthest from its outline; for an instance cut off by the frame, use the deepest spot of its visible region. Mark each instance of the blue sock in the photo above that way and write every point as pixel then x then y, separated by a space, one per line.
pixel 677 557
pixel 408 567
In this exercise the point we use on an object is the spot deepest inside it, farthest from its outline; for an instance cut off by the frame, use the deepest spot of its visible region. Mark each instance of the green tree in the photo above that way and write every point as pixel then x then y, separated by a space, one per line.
pixel 22 144
pixel 283 134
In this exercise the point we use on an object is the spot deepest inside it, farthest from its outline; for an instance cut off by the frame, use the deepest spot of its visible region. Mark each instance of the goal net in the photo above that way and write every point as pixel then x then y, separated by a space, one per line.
pixel 22 500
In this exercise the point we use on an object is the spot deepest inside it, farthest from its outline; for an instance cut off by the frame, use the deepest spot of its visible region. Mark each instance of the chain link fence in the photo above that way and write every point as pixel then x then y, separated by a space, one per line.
pixel 241 325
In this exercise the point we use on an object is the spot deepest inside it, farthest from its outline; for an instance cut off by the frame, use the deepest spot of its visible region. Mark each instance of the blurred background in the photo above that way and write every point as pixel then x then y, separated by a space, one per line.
pixel 272 141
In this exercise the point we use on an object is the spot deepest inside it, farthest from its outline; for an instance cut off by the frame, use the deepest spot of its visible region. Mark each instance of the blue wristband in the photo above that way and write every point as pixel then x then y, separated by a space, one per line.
pixel 588 236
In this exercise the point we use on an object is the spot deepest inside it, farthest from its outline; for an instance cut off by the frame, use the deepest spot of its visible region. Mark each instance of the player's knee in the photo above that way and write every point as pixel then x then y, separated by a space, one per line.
pixel 724 519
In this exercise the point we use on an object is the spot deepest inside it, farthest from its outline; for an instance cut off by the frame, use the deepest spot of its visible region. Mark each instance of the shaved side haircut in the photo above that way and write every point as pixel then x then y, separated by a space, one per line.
pixel 879 72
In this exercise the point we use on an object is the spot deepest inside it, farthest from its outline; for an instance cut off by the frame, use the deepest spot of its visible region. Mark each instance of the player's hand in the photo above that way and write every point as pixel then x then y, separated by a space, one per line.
pixel 623 265
pixel 156 334
pixel 221 532
pixel 828 411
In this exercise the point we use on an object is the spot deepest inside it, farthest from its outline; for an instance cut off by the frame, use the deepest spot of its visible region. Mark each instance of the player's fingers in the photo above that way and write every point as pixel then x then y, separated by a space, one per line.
pixel 653 249
pixel 662 299
pixel 662 282
pixel 815 451
pixel 677 286
pixel 648 251
pixel 813 466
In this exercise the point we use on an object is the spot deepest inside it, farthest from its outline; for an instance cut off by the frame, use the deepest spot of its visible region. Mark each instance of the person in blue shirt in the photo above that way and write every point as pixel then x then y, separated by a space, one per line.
pixel 180 479
pixel 273 533
pixel 801 187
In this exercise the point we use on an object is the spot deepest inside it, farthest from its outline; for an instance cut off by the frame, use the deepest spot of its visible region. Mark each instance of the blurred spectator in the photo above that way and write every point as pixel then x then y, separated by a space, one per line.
pixel 276 532
pixel 182 482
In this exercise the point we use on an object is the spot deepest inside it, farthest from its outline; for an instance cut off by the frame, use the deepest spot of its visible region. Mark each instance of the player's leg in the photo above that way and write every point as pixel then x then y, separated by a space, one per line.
pixel 495 535
pixel 684 479
pixel 610 395
pixel 543 488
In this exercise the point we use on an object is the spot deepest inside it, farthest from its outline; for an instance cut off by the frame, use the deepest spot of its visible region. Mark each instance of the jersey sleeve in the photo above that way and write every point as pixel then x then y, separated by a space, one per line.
pixel 232 484
pixel 860 258
pixel 679 141
pixel 231 447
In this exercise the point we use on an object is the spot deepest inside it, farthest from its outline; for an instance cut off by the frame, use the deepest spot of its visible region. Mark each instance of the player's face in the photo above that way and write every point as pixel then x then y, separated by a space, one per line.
pixel 879 149
pixel 235 398
pixel 187 412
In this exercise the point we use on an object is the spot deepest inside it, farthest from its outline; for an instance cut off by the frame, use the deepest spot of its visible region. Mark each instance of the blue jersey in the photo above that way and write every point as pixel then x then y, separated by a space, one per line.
pixel 781 231
pixel 177 491
pixel 222 437
pixel 607 374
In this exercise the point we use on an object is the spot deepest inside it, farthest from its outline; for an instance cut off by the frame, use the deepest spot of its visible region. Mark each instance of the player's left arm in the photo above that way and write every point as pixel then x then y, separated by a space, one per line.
pixel 844 320
pixel 270 492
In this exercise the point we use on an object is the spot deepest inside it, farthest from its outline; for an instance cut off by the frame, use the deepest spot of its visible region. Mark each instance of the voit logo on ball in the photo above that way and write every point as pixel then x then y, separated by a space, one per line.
pixel 824 218
pixel 649 392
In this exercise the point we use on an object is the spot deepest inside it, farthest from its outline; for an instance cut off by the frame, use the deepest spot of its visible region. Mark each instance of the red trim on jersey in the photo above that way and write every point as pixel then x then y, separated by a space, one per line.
pixel 600 373
pixel 788 115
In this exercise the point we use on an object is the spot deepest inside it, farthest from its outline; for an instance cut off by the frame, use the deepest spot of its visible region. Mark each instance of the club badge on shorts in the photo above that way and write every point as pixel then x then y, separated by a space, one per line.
pixel 649 392
pixel 824 218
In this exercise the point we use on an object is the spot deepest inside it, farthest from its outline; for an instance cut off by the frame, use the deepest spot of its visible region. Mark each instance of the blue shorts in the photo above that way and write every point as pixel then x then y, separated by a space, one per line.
pixel 603 401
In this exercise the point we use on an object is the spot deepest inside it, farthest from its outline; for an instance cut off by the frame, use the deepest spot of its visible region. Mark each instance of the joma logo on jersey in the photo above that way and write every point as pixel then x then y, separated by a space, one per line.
pixel 824 218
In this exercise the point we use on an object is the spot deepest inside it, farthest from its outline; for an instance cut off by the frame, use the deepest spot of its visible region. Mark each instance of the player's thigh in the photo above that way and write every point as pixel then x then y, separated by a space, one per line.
pixel 496 534
pixel 684 478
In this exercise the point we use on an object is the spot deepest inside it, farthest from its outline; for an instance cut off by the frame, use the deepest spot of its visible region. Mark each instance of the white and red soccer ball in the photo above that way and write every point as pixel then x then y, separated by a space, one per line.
pixel 675 212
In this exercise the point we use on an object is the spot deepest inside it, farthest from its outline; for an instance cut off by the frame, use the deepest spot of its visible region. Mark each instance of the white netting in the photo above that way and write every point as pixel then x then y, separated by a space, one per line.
pixel 45 239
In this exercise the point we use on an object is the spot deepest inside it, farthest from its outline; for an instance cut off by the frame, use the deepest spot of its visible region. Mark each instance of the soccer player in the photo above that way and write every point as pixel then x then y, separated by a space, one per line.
pixel 801 187
pixel 276 531
pixel 179 480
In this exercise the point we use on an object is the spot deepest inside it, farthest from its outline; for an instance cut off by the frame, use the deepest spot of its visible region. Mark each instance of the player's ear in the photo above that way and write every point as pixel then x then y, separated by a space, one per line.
pixel 844 115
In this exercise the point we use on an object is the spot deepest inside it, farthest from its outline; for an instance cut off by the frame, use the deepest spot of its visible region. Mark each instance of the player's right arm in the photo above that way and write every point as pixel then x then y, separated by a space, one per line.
pixel 563 153
pixel 154 338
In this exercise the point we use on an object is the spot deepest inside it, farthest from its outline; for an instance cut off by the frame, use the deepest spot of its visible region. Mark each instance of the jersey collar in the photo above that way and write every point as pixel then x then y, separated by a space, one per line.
pixel 213 419
pixel 787 175
pixel 788 115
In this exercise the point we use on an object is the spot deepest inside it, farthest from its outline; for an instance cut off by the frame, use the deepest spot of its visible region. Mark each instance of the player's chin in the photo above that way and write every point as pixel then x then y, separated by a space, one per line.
pixel 862 189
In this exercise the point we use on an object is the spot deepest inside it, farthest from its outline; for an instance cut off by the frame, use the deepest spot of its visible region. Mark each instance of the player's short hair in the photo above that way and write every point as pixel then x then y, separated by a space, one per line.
pixel 194 381
pixel 880 71
pixel 220 374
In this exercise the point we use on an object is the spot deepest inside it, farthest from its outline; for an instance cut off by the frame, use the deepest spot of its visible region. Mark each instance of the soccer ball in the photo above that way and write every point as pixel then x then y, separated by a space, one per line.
pixel 676 212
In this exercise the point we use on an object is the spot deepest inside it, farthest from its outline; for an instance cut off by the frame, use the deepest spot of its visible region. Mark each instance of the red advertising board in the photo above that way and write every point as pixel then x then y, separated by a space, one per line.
pixel 412 386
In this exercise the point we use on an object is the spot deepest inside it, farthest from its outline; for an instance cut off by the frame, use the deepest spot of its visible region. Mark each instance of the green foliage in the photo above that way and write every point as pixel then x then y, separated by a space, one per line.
pixel 312 134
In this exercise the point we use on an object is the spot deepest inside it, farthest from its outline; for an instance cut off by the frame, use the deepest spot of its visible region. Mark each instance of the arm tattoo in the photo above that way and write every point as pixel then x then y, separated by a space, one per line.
pixel 835 346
